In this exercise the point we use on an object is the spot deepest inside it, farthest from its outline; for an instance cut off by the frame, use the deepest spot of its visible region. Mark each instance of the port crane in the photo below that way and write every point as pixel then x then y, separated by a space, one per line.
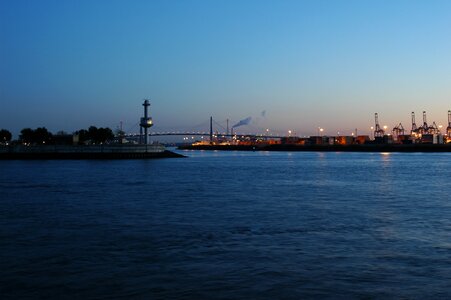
pixel 398 130
pixel 433 129
pixel 378 131
pixel 448 129
pixel 414 125
pixel 424 129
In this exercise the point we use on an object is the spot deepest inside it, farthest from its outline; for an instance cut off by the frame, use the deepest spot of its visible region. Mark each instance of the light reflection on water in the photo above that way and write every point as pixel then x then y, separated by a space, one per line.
pixel 225 225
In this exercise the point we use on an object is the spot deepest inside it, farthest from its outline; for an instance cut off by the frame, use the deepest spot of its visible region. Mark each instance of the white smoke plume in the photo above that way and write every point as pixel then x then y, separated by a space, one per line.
pixel 243 122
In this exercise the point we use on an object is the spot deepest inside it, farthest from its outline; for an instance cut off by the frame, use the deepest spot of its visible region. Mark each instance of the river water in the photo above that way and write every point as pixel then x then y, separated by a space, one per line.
pixel 228 225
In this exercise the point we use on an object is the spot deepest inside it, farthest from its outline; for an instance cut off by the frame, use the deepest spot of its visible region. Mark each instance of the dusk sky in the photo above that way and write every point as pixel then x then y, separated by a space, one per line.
pixel 67 64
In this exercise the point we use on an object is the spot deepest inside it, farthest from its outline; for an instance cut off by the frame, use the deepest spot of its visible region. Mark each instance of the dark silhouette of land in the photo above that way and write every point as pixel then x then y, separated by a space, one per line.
pixel 85 152
pixel 330 148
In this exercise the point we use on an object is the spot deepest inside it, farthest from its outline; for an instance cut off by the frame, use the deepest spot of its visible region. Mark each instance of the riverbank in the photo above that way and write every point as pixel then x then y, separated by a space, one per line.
pixel 85 152
pixel 327 148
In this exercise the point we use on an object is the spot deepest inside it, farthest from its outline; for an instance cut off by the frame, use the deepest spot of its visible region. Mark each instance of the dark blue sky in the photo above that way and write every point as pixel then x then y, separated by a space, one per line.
pixel 70 64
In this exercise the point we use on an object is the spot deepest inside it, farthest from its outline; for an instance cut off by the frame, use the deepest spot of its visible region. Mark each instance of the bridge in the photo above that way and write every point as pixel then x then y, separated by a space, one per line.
pixel 214 133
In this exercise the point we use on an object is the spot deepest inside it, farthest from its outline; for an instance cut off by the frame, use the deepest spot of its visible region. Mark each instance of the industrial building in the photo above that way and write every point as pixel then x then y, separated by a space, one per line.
pixel 421 135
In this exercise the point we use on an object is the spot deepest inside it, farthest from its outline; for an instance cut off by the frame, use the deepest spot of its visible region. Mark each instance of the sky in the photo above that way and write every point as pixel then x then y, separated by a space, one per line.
pixel 289 65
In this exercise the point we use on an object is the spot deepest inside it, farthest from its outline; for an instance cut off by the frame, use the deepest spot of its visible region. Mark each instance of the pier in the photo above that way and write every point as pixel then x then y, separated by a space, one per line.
pixel 85 152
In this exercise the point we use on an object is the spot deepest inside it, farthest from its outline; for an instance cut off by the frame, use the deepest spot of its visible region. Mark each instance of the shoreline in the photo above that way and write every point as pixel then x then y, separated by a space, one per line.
pixel 327 148
pixel 56 152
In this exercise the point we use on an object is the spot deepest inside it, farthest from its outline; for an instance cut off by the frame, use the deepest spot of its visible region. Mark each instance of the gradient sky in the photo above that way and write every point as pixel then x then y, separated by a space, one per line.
pixel 70 64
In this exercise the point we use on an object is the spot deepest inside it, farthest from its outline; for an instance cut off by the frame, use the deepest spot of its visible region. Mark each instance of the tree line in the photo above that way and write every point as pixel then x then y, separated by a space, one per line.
pixel 41 135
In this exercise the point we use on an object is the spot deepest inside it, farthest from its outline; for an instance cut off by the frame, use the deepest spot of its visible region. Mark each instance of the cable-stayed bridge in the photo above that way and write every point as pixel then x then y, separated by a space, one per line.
pixel 215 130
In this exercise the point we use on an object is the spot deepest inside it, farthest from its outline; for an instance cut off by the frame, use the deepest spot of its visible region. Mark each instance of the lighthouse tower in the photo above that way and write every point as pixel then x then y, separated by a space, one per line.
pixel 146 122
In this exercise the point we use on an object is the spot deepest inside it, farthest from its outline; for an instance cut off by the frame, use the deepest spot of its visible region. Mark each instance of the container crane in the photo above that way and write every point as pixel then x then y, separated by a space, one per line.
pixel 414 125
pixel 378 131
pixel 433 129
pixel 398 130
pixel 424 129
pixel 448 129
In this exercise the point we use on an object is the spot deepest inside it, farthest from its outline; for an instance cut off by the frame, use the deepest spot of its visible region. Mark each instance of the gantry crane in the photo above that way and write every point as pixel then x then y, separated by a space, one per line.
pixel 414 125
pixel 433 129
pixel 398 130
pixel 424 129
pixel 448 129
pixel 378 131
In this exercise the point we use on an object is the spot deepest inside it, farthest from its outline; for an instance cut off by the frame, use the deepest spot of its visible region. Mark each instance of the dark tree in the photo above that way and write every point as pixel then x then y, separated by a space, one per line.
pixel 26 135
pixel 38 136
pixel 5 136
pixel 104 135
pixel 42 136
pixel 92 133
pixel 83 135
pixel 100 135
pixel 61 132
pixel 95 135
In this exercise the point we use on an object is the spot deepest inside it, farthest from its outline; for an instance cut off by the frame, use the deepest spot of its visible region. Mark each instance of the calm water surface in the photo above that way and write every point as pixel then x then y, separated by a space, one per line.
pixel 228 225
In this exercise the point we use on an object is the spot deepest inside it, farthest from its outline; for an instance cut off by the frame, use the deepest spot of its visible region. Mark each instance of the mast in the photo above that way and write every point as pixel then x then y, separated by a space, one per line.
pixel 211 130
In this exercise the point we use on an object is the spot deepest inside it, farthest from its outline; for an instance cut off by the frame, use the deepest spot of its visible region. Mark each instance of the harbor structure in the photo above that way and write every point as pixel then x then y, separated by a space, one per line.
pixel 418 135
pixel 448 129
pixel 145 123
pixel 108 150
pixel 378 131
